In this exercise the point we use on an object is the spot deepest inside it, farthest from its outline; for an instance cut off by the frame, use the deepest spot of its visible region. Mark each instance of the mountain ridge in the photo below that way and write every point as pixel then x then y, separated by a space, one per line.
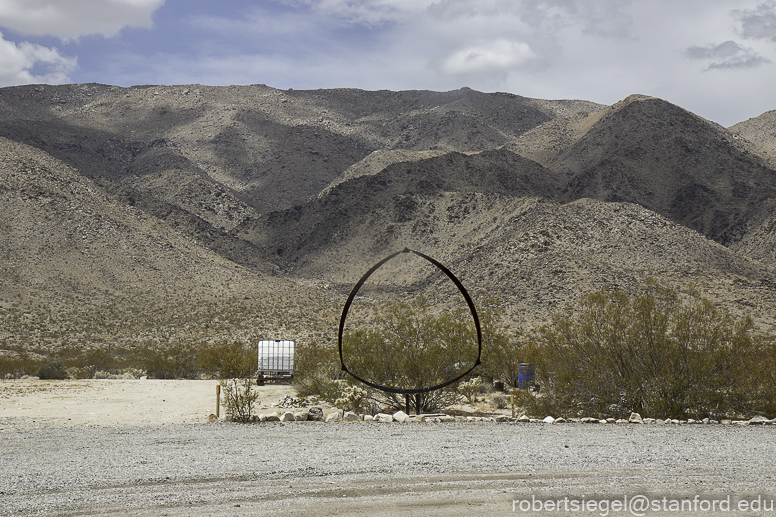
pixel 277 201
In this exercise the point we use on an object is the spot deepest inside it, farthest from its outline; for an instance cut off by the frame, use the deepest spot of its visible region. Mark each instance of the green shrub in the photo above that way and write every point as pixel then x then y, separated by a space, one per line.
pixel 317 372
pixel 53 370
pixel 239 399
pixel 175 362
pixel 650 354
pixel 411 347
pixel 229 361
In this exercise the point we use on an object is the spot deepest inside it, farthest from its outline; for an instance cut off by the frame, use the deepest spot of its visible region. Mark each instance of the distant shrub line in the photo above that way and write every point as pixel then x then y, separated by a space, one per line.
pixel 655 353
pixel 179 361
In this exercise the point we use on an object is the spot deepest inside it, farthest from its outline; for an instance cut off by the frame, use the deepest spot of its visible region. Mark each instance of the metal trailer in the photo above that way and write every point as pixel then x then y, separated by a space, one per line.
pixel 276 360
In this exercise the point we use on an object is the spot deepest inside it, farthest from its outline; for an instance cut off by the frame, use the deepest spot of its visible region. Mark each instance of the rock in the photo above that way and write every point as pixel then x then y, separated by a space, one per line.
pixel 706 420
pixel 649 420
pixel 589 420
pixel 621 421
pixel 368 418
pixel 713 422
pixel 128 376
pixel 611 421
pixel 726 422
pixel 504 418
pixel 548 420
pixel 212 418
pixel 315 413
pixel 418 419
pixel 523 419
pixel 401 416
pixel 460 418
pixel 272 417
pixel 288 416
pixel 635 418
pixel 447 418
pixel 758 420
pixel 383 417
pixel 262 417
pixel 302 416
pixel 691 421
pixel 560 420
pixel 603 421
pixel 333 417
pixel 350 416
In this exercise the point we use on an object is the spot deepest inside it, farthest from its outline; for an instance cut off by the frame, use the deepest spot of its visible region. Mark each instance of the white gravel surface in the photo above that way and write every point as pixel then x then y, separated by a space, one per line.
pixel 362 468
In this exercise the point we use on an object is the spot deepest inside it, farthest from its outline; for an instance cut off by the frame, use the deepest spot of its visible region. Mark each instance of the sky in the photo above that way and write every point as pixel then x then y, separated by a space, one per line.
pixel 716 58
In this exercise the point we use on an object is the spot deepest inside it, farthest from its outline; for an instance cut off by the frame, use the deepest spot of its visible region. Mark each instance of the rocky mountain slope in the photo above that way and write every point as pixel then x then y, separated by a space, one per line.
pixel 169 213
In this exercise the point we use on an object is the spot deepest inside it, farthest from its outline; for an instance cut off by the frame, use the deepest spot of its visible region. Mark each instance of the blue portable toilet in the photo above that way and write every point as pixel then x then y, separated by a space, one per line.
pixel 525 375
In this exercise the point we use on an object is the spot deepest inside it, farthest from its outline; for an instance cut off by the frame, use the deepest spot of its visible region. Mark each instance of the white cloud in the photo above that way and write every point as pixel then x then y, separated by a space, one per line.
pixel 70 19
pixel 488 57
pixel 19 63
pixel 759 23
pixel 365 12
pixel 727 55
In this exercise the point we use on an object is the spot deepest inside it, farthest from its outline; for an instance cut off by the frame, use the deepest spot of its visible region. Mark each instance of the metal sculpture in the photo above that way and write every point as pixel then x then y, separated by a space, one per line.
pixel 410 391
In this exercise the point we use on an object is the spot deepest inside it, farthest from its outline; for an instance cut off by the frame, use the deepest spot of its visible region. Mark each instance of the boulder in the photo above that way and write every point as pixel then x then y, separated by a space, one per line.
pixel 589 420
pixel 548 420
pixel 504 418
pixel 315 413
pixel 758 420
pixel 419 419
pixel 212 418
pixel 302 416
pixel 523 419
pixel 368 418
pixel 635 418
pixel 272 417
pixel 350 416
pixel 401 416
pixel 383 417
pixel 620 421
pixel 288 416
pixel 611 421
pixel 447 418
pixel 333 417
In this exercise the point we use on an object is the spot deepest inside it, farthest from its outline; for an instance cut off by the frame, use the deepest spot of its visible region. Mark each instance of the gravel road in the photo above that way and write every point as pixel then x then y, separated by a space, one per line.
pixel 311 468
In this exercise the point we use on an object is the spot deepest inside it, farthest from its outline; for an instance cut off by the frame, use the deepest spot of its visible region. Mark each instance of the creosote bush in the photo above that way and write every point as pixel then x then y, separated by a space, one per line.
pixel 651 354
pixel 53 370
pixel 412 347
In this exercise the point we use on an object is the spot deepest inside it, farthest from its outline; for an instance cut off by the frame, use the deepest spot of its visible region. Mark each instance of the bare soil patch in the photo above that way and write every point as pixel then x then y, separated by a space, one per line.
pixel 39 403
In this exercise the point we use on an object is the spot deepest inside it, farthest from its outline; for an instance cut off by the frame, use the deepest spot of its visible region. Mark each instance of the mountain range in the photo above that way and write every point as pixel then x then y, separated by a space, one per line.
pixel 160 214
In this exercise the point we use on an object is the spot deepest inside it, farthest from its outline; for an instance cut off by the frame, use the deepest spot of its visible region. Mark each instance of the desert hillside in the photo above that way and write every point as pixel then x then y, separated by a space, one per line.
pixel 192 213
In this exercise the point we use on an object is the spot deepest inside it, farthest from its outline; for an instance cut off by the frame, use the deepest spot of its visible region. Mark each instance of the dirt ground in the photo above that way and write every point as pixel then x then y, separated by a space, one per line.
pixel 118 402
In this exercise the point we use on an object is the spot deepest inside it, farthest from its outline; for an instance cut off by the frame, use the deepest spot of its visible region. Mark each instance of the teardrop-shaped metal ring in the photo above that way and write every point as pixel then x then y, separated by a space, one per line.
pixel 461 288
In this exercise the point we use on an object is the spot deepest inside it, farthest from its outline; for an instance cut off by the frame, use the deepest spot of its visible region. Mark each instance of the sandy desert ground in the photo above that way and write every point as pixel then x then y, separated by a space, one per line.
pixel 132 447
pixel 109 402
